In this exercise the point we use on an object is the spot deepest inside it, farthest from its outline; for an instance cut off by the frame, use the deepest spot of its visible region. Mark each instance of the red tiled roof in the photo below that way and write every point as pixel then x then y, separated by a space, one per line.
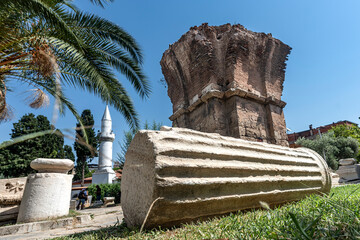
pixel 78 188
pixel 311 133
pixel 86 180
pixel 118 173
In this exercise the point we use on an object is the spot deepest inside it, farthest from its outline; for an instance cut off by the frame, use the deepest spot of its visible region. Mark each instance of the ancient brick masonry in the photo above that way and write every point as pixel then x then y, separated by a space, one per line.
pixel 229 80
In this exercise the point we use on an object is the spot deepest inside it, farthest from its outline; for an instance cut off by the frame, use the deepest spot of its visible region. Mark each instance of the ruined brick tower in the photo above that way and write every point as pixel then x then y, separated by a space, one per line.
pixel 229 80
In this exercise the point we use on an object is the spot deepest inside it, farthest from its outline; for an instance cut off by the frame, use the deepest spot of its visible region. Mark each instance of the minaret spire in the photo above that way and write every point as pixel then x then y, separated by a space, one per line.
pixel 106 115
pixel 106 124
pixel 105 173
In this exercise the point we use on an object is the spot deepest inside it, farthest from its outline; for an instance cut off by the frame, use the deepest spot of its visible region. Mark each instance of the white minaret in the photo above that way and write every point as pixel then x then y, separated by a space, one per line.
pixel 105 173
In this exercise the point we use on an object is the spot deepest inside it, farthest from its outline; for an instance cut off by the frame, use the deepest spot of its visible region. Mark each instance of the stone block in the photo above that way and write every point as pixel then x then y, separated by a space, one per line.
pixel 11 193
pixel 35 226
pixel 11 190
pixel 8 212
pixel 347 161
pixel 179 175
pixel 349 172
pixel 83 219
pixel 72 204
pixel 109 200
pixel 52 165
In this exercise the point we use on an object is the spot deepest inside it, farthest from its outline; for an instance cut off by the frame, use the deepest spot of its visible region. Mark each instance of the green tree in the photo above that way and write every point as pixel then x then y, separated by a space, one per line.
pixel 81 168
pixel 334 148
pixel 352 131
pixel 51 45
pixel 128 137
pixel 15 159
pixel 85 151
pixel 68 153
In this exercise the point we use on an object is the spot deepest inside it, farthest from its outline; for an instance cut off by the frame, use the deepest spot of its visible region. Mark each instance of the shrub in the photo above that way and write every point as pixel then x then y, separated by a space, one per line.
pixel 107 190
pixel 89 174
pixel 334 148
pixel 352 131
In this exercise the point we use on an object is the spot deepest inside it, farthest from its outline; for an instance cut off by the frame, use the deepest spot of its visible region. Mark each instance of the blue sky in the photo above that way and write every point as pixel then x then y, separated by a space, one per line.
pixel 321 83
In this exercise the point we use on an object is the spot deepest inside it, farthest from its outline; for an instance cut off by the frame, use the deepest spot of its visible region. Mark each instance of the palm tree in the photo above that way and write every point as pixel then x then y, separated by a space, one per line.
pixel 52 45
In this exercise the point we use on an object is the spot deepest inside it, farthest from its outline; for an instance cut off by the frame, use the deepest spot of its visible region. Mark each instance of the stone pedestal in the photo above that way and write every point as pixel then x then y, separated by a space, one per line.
pixel 72 204
pixel 348 170
pixel 103 176
pixel 47 193
pixel 178 175
pixel 228 80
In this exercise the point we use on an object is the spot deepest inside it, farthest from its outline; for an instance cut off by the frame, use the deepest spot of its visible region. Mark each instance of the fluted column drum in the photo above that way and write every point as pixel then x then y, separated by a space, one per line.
pixel 177 175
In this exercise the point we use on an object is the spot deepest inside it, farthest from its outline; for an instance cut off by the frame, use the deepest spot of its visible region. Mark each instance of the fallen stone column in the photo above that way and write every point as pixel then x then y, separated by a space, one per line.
pixel 184 175
pixel 47 193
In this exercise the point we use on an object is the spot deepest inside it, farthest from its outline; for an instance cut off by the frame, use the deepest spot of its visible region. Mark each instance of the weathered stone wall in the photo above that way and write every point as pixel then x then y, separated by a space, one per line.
pixel 177 175
pixel 229 80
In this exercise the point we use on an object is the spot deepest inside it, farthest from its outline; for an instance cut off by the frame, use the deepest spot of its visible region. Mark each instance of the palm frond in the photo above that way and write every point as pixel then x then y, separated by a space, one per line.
pixel 106 30
pixel 119 60
pixel 52 39
pixel 38 98
pixel 45 11
pixel 96 77
pixel 101 3
pixel 6 113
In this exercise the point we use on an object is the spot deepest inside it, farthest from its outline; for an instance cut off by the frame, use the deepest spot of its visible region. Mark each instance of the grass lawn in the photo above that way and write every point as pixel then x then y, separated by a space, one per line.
pixel 316 217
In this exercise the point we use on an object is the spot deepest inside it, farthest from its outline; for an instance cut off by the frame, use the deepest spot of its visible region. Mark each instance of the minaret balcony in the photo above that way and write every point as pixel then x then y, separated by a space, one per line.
pixel 107 137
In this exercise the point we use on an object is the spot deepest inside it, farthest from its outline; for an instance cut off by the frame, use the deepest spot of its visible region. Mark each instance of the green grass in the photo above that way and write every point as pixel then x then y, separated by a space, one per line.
pixel 316 217
pixel 73 213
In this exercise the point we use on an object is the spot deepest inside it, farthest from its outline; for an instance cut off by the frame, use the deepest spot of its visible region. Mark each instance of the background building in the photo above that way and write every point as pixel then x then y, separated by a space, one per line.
pixel 313 132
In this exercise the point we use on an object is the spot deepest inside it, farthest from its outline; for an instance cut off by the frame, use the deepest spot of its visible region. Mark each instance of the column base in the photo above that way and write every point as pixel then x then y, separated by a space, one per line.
pixel 103 176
